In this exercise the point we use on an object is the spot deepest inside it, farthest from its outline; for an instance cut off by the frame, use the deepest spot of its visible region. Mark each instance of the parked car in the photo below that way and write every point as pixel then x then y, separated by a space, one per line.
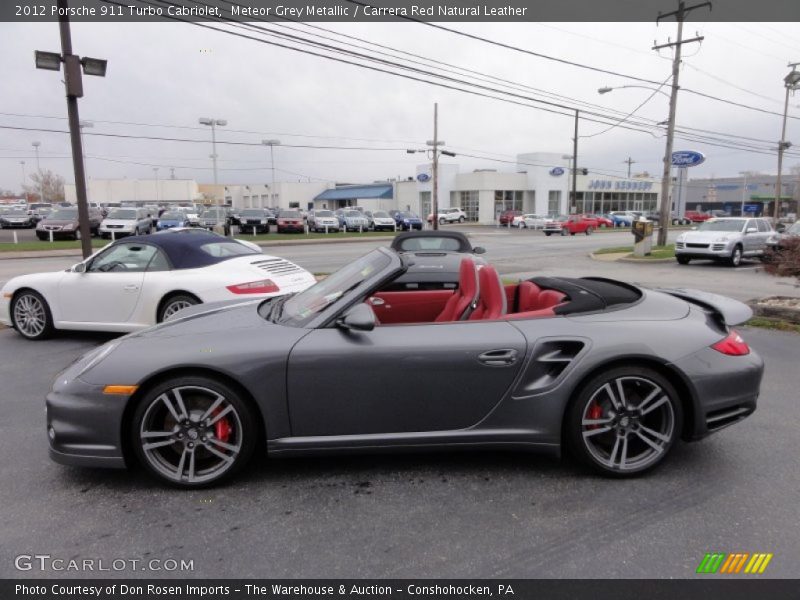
pixel 623 218
pixel 254 220
pixel 136 282
pixel 383 221
pixel 370 220
pixel 525 378
pixel 530 221
pixel 728 239
pixel 290 220
pixel 323 220
pixel 353 220
pixel 126 221
pixel 63 223
pixel 777 242
pixel 696 216
pixel 17 218
pixel 215 216
pixel 677 220
pixel 507 216
pixel 407 221
pixel 172 218
pixel 570 225
pixel 601 220
pixel 449 215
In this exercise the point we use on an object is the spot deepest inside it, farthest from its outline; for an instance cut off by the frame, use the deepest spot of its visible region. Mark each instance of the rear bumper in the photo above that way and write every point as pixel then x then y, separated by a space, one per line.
pixel 725 389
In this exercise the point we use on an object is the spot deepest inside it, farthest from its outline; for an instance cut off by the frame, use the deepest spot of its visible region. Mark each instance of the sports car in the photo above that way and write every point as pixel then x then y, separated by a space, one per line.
pixel 614 373
pixel 142 280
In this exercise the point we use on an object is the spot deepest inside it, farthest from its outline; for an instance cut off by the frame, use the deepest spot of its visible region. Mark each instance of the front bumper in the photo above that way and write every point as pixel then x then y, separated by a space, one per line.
pixel 704 250
pixel 58 234
pixel 16 225
pixel 84 425
pixel 725 389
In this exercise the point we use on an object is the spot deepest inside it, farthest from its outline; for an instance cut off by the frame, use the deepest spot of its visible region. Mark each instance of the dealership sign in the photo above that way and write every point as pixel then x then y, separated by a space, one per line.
pixel 423 177
pixel 607 184
pixel 556 171
pixel 687 158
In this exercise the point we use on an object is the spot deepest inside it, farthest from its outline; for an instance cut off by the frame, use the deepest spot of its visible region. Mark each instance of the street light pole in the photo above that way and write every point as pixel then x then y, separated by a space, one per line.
pixel 575 164
pixel 272 144
pixel 435 143
pixel 155 170
pixel 213 124
pixel 39 170
pixel 791 82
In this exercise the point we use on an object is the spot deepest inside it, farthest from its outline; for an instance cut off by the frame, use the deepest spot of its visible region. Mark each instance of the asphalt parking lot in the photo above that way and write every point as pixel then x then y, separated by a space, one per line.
pixel 465 515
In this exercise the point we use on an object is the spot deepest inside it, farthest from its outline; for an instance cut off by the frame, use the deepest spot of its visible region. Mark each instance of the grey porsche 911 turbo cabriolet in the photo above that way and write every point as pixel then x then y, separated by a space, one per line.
pixel 611 372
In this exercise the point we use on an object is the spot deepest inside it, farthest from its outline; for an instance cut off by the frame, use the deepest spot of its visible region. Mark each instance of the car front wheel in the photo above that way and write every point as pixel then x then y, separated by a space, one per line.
pixel 193 431
pixel 736 257
pixel 174 304
pixel 625 421
pixel 31 315
pixel 683 260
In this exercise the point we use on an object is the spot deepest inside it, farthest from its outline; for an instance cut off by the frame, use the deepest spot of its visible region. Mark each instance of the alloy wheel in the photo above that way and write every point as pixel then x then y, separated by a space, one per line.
pixel 29 315
pixel 174 305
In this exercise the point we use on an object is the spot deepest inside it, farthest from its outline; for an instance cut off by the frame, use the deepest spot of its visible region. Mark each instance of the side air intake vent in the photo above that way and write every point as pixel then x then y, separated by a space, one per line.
pixel 549 361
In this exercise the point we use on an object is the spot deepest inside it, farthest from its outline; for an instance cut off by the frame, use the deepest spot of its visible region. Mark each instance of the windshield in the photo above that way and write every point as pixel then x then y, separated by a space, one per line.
pixel 353 213
pixel 381 215
pixel 306 304
pixel 63 215
pixel 173 216
pixel 213 213
pixel 323 213
pixel 408 215
pixel 721 225
pixel 17 213
pixel 252 213
pixel 122 213
pixel 289 214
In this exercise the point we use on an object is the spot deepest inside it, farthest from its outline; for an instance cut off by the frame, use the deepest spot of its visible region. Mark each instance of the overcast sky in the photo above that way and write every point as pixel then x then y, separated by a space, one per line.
pixel 170 74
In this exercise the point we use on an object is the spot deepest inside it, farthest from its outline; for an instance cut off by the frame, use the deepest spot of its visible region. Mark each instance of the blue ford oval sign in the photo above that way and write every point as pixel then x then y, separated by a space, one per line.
pixel 687 158
pixel 556 171
pixel 423 177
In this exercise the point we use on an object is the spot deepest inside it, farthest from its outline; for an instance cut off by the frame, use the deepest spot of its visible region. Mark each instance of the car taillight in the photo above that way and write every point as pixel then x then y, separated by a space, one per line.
pixel 263 286
pixel 732 345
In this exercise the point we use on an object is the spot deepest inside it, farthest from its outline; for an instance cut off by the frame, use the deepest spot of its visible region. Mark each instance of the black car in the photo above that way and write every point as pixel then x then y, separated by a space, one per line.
pixel 254 220
pixel 434 241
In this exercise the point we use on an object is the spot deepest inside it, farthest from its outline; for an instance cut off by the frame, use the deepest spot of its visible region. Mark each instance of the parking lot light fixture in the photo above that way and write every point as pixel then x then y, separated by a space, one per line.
pixel 272 144
pixel 213 123
pixel 50 61
pixel 94 66
pixel 791 82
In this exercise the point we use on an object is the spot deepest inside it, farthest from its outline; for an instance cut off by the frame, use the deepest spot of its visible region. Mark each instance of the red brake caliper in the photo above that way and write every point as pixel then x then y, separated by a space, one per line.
pixel 222 428
pixel 595 412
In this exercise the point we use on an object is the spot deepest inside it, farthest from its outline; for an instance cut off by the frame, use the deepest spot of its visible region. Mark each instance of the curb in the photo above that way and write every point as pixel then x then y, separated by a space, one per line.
pixel 10 255
pixel 781 313
pixel 620 257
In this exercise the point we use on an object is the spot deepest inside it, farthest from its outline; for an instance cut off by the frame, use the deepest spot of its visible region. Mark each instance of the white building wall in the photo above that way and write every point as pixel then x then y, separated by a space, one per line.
pixel 542 173
pixel 137 190
pixel 406 196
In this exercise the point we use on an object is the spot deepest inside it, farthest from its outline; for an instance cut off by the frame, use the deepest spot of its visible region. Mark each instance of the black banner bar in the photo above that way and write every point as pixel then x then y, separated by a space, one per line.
pixel 116 11
pixel 711 588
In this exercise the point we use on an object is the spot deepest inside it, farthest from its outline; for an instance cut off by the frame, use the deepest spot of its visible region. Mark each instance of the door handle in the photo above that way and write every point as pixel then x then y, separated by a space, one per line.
pixel 375 301
pixel 131 287
pixel 498 358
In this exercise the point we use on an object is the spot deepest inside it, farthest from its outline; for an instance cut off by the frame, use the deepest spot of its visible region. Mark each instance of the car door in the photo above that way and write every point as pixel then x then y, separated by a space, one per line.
pixel 750 238
pixel 765 232
pixel 401 378
pixel 109 289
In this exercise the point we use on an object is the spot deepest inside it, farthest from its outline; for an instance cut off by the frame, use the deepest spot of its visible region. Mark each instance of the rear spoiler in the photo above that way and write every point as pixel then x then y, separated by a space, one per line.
pixel 731 311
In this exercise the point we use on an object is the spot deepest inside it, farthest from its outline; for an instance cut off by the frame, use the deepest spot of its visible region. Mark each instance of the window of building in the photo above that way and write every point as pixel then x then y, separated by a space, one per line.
pixel 553 203
pixel 507 200
pixel 425 207
pixel 469 203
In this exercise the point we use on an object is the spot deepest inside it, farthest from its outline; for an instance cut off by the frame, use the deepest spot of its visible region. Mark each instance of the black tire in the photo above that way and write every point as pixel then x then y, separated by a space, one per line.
pixel 172 304
pixel 461 219
pixel 442 221
pixel 522 225
pixel 232 436
pixel 589 230
pixel 77 235
pixel 736 256
pixel 547 233
pixel 602 432
pixel 31 316
pixel 683 260
pixel 563 232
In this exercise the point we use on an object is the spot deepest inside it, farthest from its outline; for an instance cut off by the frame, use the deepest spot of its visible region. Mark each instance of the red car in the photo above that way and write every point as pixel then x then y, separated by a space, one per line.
pixel 570 225
pixel 507 216
pixel 697 217
pixel 601 220
pixel 290 220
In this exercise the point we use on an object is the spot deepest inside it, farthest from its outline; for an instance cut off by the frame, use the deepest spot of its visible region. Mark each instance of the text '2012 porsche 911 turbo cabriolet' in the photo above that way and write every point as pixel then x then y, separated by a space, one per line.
pixel 612 372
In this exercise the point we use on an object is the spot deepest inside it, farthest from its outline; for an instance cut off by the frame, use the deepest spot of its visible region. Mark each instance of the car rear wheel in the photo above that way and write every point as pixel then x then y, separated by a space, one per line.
pixel 563 231
pixel 736 257
pixel 30 315
pixel 547 233
pixel 461 219
pixel 624 421
pixel 683 260
pixel 193 431
pixel 521 225
pixel 442 221
pixel 175 303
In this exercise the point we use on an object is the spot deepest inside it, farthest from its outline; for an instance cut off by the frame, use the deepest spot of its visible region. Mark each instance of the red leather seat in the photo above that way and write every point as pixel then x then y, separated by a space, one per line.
pixel 492 299
pixel 527 296
pixel 550 298
pixel 458 307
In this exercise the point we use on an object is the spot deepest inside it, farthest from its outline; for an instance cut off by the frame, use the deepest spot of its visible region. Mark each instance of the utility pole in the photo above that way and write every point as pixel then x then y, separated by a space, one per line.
pixel 575 164
pixel 435 143
pixel 629 162
pixel 680 16
pixel 39 170
pixel 791 81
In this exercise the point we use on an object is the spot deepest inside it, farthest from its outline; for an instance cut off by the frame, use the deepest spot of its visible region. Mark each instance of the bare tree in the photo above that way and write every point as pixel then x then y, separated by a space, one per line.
pixel 47 184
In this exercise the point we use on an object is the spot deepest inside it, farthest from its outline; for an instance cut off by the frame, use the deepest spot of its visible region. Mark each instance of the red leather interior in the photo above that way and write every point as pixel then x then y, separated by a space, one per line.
pixel 465 296
pixel 492 300
pixel 531 314
pixel 532 298
pixel 410 306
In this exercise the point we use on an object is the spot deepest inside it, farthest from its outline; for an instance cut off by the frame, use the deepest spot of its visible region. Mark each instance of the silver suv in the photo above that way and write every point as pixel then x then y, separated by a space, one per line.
pixel 726 239
pixel 449 215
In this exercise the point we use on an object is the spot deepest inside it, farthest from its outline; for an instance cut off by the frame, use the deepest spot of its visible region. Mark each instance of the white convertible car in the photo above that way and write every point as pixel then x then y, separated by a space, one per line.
pixel 139 281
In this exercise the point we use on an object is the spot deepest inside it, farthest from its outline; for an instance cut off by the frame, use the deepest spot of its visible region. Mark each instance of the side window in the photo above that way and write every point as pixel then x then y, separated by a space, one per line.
pixel 159 262
pixel 763 226
pixel 123 258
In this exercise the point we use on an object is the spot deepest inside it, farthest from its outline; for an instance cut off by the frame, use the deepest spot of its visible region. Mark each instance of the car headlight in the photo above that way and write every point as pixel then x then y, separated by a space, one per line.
pixel 263 221
pixel 68 226
pixel 92 358
pixel 723 238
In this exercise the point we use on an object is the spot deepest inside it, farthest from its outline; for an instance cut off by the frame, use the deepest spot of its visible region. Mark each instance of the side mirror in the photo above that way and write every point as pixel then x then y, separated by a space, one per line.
pixel 479 250
pixel 781 227
pixel 358 318
pixel 79 268
pixel 751 230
